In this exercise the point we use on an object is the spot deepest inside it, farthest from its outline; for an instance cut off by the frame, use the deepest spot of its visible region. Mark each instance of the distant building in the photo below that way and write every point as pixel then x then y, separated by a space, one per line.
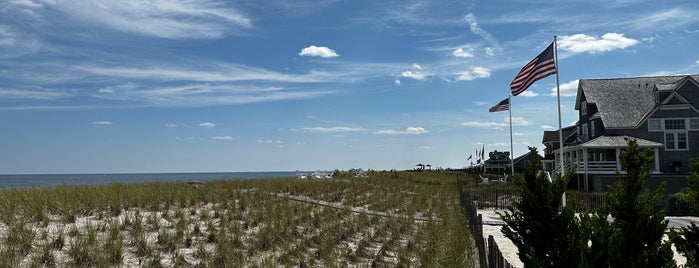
pixel 497 162
pixel 660 113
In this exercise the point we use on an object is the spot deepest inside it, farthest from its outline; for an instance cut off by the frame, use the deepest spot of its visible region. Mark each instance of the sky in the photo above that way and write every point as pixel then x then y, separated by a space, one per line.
pixel 104 86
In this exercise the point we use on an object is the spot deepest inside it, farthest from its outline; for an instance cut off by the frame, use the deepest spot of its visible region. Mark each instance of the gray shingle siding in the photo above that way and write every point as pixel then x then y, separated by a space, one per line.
pixel 625 104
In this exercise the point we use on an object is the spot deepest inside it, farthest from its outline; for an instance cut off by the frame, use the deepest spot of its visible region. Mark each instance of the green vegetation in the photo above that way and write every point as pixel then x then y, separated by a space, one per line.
pixel 545 235
pixel 687 239
pixel 385 219
pixel 550 236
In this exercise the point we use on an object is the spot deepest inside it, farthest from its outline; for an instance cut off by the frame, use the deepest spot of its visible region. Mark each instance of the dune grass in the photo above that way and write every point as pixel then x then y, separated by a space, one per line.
pixel 388 219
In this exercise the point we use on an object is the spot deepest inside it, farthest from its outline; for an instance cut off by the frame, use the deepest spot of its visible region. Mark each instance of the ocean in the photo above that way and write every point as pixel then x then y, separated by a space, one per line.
pixel 47 180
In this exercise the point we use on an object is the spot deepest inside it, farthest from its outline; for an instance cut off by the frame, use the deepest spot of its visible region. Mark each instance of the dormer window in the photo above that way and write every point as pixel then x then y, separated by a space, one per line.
pixel 583 108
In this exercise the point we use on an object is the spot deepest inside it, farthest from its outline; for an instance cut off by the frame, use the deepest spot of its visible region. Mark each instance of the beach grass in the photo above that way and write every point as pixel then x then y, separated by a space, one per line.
pixel 386 219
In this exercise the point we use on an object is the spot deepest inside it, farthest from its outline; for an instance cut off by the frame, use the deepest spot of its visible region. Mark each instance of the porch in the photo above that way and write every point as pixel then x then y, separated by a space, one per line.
pixel 600 156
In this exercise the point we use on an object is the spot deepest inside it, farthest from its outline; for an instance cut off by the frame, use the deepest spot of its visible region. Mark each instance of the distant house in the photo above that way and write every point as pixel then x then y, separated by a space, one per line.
pixel 660 113
pixel 521 161
pixel 497 162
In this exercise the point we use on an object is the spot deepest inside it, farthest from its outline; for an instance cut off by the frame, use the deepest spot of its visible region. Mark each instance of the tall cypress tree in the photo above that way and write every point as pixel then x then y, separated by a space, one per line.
pixel 545 234
pixel 633 235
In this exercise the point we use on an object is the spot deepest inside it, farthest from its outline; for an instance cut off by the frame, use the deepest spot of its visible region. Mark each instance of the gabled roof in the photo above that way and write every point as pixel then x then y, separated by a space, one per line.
pixel 552 135
pixel 624 102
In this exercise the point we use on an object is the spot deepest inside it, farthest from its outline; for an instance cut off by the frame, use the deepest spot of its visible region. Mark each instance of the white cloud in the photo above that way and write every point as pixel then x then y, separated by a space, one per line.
pixel 568 89
pixel 491 125
pixel 270 141
pixel 222 137
pixel 579 43
pixel 8 93
pixel 416 66
pixel 547 127
pixel 314 51
pixel 528 93
pixel 333 129
pixel 207 125
pixel 397 82
pixel 171 125
pixel 516 121
pixel 173 19
pixel 407 131
pixel 474 73
pixel 102 123
pixel 413 74
pixel 463 53
pixel 519 134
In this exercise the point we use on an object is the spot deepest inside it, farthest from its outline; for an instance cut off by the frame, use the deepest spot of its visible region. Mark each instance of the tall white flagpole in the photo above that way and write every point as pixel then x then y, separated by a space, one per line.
pixel 512 152
pixel 558 94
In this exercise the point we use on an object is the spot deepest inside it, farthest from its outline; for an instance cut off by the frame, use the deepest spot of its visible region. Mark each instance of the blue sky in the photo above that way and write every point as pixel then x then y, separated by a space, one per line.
pixel 206 85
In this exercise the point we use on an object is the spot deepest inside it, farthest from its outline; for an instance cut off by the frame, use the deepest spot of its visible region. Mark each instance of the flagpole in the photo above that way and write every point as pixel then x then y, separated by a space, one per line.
pixel 512 152
pixel 558 95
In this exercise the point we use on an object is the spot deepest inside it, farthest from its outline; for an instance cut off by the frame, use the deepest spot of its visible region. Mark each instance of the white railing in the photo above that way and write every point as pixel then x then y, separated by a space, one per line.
pixel 592 167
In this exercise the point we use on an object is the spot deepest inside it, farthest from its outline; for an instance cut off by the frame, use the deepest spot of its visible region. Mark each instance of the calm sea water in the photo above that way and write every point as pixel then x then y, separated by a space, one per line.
pixel 44 180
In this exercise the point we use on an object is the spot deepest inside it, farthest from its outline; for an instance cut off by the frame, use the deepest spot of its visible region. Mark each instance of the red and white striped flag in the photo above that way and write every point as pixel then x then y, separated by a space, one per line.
pixel 540 67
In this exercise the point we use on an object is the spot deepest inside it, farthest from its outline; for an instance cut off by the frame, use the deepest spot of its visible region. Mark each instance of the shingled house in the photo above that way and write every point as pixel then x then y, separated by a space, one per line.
pixel 660 113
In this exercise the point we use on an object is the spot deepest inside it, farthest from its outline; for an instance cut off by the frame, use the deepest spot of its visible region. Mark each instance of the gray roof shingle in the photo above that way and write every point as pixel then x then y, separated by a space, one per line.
pixel 623 102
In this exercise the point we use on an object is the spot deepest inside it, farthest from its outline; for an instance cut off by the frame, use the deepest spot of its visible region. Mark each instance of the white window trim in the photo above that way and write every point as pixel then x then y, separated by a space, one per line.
pixel 676 140
pixel 687 124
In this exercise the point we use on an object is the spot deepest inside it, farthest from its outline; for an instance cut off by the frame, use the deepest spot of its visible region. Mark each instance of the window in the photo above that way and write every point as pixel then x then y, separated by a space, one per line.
pixel 654 125
pixel 682 141
pixel 592 130
pixel 676 141
pixel 670 141
pixel 694 124
pixel 583 108
pixel 584 132
pixel 674 124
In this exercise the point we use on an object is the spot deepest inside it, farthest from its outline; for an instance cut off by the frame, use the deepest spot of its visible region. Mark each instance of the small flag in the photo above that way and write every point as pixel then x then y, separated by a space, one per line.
pixel 504 105
pixel 541 66
pixel 483 152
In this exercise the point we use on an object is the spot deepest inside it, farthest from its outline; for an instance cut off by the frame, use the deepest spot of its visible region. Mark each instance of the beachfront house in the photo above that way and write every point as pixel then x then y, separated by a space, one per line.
pixel 660 113
pixel 497 162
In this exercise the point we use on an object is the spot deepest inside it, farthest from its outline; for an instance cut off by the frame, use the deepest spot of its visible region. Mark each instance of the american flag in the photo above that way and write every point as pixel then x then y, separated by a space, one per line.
pixel 541 66
pixel 504 105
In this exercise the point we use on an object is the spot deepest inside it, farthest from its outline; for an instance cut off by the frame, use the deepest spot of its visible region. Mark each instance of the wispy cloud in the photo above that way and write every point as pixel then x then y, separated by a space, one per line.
pixel 568 89
pixel 407 131
pixel 314 51
pixel 474 73
pixel 8 93
pixel 207 125
pixel 270 141
pixel 516 121
pixel 333 129
pixel 222 137
pixel 579 43
pixel 470 18
pixel 174 19
pixel 463 53
pixel 102 123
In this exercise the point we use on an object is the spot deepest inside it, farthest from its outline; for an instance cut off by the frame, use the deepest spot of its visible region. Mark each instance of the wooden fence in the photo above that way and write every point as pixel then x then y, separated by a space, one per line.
pixel 489 256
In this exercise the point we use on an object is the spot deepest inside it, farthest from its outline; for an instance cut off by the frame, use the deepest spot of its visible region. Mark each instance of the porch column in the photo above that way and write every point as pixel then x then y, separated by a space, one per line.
pixel 585 163
pixel 618 163
pixel 657 159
